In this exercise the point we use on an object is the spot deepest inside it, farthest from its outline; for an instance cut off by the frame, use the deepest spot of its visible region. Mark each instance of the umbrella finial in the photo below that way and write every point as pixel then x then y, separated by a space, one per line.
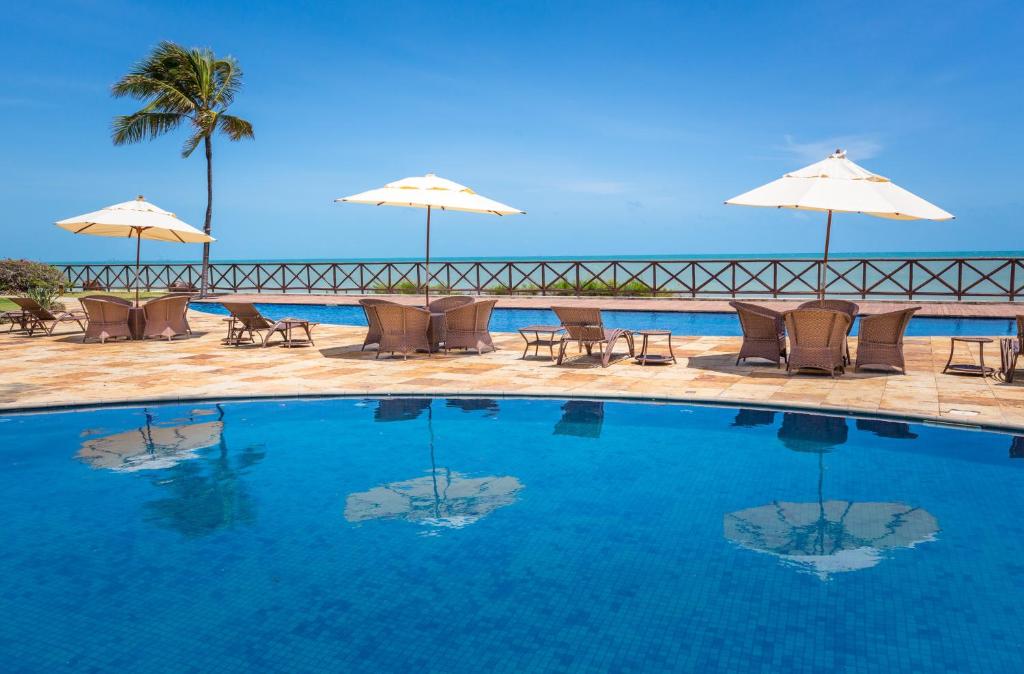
pixel 140 198
pixel 838 154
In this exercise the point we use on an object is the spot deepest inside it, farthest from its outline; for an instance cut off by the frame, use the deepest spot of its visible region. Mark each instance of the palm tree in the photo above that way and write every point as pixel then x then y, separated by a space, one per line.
pixel 182 85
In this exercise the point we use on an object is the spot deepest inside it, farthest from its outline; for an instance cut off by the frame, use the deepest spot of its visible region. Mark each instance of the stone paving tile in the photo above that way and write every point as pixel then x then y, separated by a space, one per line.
pixel 60 370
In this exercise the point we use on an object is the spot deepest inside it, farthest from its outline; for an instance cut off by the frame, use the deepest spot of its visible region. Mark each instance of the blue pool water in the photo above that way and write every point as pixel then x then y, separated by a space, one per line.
pixel 418 535
pixel 679 322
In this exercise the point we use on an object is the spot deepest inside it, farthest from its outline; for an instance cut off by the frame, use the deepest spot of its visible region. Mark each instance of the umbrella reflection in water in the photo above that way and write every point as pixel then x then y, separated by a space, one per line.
pixel 201 492
pixel 829 536
pixel 443 497
pixel 150 447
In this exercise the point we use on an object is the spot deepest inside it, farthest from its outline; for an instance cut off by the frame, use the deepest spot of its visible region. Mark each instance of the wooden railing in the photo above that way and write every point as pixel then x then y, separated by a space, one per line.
pixel 979 278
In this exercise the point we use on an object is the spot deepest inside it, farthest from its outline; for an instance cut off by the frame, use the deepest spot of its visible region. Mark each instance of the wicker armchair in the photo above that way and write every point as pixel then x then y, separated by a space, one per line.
pixel 443 304
pixel 764 333
pixel 880 340
pixel 585 326
pixel 373 325
pixel 817 339
pixel 403 329
pixel 108 298
pixel 466 326
pixel 167 317
pixel 851 309
pixel 107 319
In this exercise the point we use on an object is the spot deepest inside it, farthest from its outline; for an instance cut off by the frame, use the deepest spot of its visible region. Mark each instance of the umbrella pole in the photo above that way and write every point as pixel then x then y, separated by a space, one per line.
pixel 138 252
pixel 822 275
pixel 428 260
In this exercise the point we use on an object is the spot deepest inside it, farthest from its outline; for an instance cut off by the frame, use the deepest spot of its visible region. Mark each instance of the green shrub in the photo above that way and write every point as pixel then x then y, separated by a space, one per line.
pixel 409 288
pixel 42 282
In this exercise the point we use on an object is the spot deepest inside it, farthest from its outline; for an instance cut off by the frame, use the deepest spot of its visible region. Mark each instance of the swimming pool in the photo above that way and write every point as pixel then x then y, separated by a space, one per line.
pixel 475 535
pixel 679 322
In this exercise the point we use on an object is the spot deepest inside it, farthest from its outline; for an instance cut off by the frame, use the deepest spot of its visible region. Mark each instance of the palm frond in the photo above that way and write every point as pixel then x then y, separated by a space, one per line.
pixel 141 125
pixel 192 143
pixel 235 128
pixel 227 80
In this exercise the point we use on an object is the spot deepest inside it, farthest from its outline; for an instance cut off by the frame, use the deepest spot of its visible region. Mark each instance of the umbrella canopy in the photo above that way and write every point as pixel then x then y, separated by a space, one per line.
pixel 836 184
pixel 830 536
pixel 136 219
pixel 430 192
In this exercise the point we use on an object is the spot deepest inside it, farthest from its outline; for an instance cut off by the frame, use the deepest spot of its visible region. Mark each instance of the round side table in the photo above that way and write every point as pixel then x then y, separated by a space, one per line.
pixel 968 368
pixel 647 358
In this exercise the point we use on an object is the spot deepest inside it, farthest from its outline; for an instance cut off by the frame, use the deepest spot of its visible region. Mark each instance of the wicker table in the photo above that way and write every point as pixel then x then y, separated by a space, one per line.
pixel 286 326
pixel 550 338
pixel 137 322
pixel 647 358
pixel 968 368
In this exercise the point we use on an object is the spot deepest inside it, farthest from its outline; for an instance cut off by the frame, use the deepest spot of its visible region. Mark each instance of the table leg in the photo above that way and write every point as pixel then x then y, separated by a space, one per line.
pixel 670 351
pixel 981 359
pixel 309 333
pixel 952 345
pixel 643 351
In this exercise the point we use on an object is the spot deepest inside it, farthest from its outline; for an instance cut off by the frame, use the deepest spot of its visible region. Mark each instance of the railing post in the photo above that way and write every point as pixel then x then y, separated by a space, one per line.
pixel 577 266
pixel 775 279
pixel 479 290
pixel 863 279
pixel 910 283
pixel 732 283
pixel 693 279
pixel 510 291
pixel 1013 278
pixel 543 279
pixel 654 280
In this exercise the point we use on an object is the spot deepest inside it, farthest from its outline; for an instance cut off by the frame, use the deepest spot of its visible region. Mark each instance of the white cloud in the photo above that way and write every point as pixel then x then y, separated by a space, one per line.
pixel 858 147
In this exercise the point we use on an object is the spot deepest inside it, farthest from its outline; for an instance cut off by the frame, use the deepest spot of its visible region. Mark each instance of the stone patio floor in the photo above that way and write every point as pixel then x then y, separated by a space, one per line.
pixel 60 370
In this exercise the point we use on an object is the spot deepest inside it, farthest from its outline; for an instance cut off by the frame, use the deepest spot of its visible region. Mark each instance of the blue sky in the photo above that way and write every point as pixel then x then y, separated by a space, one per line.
pixel 619 127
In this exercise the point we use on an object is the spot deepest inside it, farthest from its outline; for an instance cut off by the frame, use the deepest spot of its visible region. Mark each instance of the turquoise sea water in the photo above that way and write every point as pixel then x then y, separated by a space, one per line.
pixel 476 535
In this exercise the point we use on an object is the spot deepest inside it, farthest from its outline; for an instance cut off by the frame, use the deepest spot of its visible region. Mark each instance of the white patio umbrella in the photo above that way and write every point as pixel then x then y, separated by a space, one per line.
pixel 136 219
pixel 430 192
pixel 837 185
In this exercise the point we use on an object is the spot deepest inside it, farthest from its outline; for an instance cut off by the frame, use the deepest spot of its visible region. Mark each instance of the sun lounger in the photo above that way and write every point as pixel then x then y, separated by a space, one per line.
pixel 764 333
pixel 817 339
pixel 247 320
pixel 466 326
pixel 585 326
pixel 108 319
pixel 37 317
pixel 880 340
pixel 167 317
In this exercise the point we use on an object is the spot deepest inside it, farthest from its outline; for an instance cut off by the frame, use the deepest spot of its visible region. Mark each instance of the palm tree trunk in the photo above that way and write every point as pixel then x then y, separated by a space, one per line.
pixel 209 216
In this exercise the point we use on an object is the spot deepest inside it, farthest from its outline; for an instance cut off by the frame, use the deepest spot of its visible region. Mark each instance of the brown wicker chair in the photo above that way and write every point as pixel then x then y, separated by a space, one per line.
pixel 107 319
pixel 37 317
pixel 466 326
pixel 373 324
pixel 851 309
pixel 246 319
pixel 402 329
pixel 585 326
pixel 167 317
pixel 108 298
pixel 817 339
pixel 764 333
pixel 1009 351
pixel 880 340
pixel 443 304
